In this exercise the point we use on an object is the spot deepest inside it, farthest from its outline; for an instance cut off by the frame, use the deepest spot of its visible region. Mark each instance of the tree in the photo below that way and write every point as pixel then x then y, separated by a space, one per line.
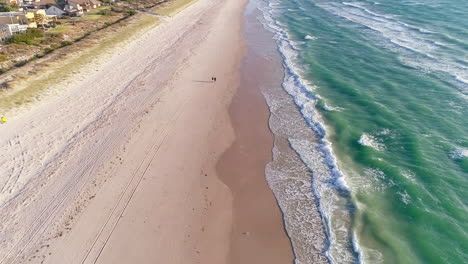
pixel 4 7
pixel 41 19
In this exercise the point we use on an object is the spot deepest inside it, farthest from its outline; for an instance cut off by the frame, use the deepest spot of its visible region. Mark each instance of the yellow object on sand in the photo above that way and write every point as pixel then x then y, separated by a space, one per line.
pixel 3 119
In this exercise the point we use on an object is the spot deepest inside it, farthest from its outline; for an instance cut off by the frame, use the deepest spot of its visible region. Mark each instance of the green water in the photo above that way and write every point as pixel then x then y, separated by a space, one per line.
pixel 393 81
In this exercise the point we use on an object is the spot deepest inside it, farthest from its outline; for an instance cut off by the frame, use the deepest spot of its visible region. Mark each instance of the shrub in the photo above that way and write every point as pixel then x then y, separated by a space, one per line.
pixel 21 63
pixel 4 8
pixel 55 35
pixel 3 70
pixel 3 58
pixel 82 37
pixel 131 12
pixel 48 50
pixel 117 9
pixel 37 33
pixel 65 43
pixel 26 37
pixel 104 12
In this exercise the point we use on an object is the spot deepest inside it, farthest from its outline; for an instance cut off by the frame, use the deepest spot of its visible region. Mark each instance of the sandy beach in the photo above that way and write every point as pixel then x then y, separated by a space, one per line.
pixel 145 159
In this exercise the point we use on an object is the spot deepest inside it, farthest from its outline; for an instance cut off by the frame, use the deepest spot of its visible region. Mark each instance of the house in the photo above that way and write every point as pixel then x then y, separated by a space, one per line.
pixel 43 4
pixel 7 30
pixel 74 8
pixel 55 11
pixel 11 18
pixel 83 5
pixel 94 3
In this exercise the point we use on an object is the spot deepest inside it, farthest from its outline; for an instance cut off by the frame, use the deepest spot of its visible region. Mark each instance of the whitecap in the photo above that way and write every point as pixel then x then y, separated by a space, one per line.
pixel 384 132
pixel 331 108
pixel 375 180
pixel 404 197
pixel 309 37
pixel 459 153
pixel 371 141
pixel 411 176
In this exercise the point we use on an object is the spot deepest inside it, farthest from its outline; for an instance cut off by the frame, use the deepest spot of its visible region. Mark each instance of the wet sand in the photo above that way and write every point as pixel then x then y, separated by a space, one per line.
pixel 258 234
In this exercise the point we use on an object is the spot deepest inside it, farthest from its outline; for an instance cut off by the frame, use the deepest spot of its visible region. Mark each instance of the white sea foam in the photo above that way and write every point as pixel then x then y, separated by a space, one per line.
pixel 309 37
pixel 375 180
pixel 405 197
pixel 409 175
pixel 331 108
pixel 390 28
pixel 384 132
pixel 371 141
pixel 328 183
pixel 459 153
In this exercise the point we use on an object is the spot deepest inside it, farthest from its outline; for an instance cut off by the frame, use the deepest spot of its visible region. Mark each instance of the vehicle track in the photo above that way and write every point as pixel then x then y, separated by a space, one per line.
pixel 63 194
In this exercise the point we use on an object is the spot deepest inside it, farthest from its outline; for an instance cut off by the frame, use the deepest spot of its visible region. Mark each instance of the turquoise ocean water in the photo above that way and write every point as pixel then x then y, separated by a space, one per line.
pixel 384 85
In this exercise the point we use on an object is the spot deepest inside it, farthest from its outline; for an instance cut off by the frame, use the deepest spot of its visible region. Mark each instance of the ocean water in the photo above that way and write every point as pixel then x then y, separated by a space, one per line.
pixel 382 88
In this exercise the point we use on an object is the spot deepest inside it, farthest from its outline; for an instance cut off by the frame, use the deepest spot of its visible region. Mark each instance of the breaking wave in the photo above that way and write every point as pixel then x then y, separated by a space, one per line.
pixel 328 183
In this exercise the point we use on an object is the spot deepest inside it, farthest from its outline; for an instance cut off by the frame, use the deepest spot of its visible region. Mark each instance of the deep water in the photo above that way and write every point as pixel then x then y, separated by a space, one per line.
pixel 388 81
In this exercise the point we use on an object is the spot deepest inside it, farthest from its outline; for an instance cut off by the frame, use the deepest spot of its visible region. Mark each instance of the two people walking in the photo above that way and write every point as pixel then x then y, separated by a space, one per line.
pixel 213 79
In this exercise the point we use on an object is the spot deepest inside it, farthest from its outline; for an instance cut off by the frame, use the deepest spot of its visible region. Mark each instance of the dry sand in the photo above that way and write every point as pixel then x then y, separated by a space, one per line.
pixel 121 167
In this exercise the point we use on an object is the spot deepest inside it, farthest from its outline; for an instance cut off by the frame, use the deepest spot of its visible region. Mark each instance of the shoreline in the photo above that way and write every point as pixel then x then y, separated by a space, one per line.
pixel 287 174
pixel 258 234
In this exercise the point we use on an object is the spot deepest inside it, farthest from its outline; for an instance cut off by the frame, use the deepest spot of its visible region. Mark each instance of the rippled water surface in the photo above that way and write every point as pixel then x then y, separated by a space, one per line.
pixel 383 85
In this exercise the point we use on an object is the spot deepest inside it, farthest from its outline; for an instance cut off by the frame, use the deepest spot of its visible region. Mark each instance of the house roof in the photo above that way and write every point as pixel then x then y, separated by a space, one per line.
pixel 56 9
pixel 10 14
pixel 94 2
pixel 44 2
pixel 81 2
pixel 85 2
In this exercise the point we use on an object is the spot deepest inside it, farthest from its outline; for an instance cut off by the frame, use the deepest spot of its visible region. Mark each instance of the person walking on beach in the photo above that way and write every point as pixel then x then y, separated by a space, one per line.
pixel 3 120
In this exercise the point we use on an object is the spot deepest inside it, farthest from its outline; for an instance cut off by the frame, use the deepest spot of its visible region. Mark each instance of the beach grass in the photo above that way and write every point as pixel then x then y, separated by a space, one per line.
pixel 174 7
pixel 91 17
pixel 97 10
pixel 60 29
pixel 29 90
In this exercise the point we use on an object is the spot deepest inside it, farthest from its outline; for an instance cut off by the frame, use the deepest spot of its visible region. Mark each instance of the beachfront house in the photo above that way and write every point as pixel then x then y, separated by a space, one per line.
pixel 74 8
pixel 55 11
pixel 7 30
pixel 94 3
pixel 43 4
pixel 18 18
pixel 80 6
